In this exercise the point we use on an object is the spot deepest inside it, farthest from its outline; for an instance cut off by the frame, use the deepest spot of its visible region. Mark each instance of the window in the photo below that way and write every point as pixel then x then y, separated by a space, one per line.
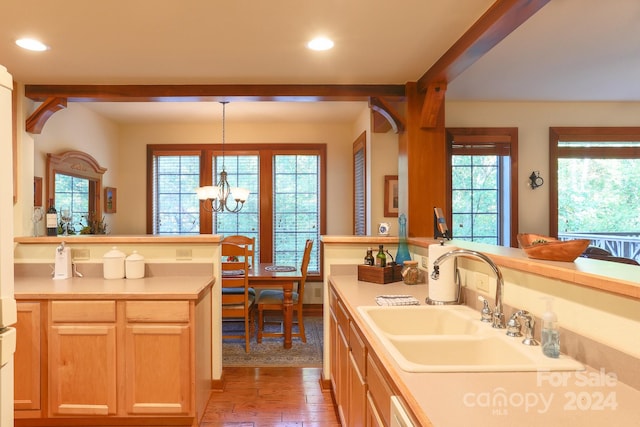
pixel 595 177
pixel 359 186
pixel 74 183
pixel 175 206
pixel 285 207
pixel 296 207
pixel 482 184
pixel 242 171
pixel 72 193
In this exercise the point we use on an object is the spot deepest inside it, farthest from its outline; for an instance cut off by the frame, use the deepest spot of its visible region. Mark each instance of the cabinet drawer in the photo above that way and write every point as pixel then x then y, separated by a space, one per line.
pixel 333 301
pixel 83 311
pixel 358 349
pixel 343 319
pixel 379 389
pixel 157 311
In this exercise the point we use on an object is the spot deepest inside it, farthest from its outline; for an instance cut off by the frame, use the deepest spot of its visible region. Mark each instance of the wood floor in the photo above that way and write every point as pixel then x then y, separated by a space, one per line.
pixel 271 397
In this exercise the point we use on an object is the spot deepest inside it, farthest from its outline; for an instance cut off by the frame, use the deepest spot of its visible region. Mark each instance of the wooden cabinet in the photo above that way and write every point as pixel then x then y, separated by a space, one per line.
pixel 27 358
pixel 82 358
pixel 379 392
pixel 340 370
pixel 79 361
pixel 158 365
pixel 361 385
pixel 357 377
pixel 347 366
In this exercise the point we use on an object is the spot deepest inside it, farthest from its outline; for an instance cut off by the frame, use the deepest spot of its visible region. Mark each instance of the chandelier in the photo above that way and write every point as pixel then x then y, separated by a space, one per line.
pixel 214 198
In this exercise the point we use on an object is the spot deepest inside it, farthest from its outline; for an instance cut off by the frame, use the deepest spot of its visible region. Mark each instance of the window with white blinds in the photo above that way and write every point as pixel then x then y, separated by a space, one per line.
pixel 359 186
pixel 175 206
pixel 296 207
pixel 242 171
pixel 286 205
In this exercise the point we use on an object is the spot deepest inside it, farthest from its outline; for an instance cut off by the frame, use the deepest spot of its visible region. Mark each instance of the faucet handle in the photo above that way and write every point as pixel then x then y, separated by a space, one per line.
pixel 486 314
pixel 513 325
pixel 528 330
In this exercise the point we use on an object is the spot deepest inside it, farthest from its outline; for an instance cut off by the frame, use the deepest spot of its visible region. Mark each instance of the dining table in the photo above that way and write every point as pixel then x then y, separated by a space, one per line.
pixel 273 276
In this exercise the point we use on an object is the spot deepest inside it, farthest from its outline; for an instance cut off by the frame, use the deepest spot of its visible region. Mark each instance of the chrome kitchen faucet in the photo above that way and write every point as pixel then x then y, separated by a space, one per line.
pixel 498 315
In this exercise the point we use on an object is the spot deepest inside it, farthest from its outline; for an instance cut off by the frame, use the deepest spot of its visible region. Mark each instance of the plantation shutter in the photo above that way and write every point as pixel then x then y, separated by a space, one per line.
pixel 359 187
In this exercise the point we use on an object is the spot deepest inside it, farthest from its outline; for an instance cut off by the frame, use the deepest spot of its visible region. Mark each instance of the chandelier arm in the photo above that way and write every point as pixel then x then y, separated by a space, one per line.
pixel 214 199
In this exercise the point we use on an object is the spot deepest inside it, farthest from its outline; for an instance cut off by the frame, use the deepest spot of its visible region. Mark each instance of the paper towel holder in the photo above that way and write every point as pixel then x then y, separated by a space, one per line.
pixel 458 284
pixel 440 229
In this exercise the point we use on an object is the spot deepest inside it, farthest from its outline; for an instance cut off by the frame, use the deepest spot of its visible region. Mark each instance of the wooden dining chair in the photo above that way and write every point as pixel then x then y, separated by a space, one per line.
pixel 237 298
pixel 250 242
pixel 273 300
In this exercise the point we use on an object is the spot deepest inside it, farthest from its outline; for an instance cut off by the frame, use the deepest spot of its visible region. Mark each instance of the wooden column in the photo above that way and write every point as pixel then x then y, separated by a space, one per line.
pixel 421 166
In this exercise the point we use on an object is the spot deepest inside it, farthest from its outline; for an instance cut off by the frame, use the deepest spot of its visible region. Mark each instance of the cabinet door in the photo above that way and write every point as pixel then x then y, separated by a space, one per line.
pixel 357 395
pixel 82 369
pixel 333 354
pixel 158 369
pixel 379 391
pixel 26 388
pixel 343 377
pixel 373 417
pixel 357 383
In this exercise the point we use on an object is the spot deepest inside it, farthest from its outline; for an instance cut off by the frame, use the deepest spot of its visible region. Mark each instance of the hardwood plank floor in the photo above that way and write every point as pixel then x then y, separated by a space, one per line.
pixel 271 397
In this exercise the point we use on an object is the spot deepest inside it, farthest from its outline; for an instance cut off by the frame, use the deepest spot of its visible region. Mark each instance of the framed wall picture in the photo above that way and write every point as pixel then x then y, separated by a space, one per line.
pixel 391 195
pixel 37 191
pixel 110 200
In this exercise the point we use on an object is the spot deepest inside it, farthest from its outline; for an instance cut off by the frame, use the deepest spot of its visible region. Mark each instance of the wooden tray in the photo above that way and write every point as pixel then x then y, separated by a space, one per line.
pixel 549 248
pixel 381 275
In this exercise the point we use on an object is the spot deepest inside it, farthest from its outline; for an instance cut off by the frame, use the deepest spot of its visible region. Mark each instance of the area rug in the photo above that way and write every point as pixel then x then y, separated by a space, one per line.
pixel 271 352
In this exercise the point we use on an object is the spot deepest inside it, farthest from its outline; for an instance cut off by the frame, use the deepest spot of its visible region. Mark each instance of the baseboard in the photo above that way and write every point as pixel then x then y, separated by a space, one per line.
pixel 312 310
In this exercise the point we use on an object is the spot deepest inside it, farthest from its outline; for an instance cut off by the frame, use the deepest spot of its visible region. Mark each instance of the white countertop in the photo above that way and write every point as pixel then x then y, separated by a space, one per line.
pixel 588 398
pixel 163 287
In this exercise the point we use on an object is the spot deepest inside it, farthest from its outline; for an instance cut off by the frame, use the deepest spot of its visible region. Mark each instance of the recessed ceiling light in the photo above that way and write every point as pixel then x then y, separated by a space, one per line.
pixel 32 44
pixel 320 43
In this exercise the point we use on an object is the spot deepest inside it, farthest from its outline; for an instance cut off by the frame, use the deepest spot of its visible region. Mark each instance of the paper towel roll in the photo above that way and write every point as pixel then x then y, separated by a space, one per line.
pixel 444 289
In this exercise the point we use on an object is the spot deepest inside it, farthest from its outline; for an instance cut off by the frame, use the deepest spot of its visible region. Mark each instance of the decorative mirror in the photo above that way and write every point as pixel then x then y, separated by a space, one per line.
pixel 74 183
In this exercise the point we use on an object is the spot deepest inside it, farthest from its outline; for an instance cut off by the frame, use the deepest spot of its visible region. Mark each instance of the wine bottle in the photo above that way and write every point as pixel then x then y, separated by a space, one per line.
pixel 51 220
pixel 381 258
pixel 368 260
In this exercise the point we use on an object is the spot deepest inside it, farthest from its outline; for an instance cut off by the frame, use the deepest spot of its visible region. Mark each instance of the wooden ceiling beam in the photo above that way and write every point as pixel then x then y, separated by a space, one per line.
pixel 383 108
pixel 36 121
pixel 433 102
pixel 213 93
pixel 500 20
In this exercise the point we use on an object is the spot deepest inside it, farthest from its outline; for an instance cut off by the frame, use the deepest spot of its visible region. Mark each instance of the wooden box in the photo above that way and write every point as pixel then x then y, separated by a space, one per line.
pixel 381 275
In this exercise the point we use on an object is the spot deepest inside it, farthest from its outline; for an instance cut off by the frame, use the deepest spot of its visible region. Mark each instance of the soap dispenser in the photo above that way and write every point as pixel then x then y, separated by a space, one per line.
pixel 550 333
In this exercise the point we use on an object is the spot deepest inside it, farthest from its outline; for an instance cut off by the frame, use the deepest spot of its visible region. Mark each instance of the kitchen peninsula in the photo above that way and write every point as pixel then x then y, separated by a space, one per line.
pixel 598 306
pixel 123 351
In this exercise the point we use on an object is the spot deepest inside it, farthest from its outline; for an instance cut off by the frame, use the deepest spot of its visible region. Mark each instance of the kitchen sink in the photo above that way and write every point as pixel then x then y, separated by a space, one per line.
pixel 452 339
pixel 420 319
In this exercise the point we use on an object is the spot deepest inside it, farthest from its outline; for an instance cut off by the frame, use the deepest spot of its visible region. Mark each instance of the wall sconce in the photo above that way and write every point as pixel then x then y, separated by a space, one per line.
pixel 535 180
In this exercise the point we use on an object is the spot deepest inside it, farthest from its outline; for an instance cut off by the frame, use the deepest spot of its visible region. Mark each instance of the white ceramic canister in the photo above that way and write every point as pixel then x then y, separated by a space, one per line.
pixel 113 264
pixel 134 266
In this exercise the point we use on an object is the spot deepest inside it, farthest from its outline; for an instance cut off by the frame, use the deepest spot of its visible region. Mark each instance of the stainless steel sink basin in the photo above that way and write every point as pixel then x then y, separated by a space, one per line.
pixel 452 339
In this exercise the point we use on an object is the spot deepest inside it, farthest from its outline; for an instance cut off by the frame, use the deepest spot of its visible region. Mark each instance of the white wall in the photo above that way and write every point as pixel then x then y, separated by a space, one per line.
pixel 384 161
pixel 132 161
pixel 122 150
pixel 533 120
pixel 77 128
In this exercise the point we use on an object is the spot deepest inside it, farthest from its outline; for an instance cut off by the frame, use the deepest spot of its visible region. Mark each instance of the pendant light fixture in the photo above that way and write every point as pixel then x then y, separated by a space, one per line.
pixel 215 198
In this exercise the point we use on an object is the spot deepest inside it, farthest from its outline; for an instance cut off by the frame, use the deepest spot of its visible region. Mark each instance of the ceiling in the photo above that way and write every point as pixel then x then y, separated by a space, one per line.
pixel 571 50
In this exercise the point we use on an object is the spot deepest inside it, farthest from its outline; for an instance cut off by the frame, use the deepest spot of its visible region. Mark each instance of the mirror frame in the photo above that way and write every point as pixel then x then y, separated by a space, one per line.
pixel 78 164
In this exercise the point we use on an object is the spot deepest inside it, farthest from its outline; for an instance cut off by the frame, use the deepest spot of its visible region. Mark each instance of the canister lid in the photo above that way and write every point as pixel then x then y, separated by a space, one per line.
pixel 114 253
pixel 135 256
